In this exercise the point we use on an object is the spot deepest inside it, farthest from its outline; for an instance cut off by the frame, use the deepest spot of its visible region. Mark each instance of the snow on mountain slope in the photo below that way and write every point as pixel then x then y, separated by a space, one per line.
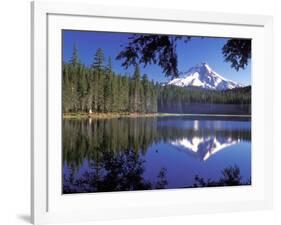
pixel 204 147
pixel 203 76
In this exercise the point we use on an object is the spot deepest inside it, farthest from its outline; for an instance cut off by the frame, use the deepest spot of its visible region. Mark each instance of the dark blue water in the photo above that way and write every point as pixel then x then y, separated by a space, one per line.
pixel 155 153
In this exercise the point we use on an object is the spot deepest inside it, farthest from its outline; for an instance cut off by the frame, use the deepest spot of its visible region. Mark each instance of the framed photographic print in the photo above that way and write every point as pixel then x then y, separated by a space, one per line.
pixel 148 112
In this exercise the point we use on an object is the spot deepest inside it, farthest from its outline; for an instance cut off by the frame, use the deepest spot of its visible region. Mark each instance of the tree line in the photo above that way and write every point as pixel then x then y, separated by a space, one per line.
pixel 181 100
pixel 98 89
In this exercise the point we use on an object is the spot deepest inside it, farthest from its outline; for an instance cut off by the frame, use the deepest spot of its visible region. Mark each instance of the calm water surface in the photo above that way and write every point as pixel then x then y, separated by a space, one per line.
pixel 152 153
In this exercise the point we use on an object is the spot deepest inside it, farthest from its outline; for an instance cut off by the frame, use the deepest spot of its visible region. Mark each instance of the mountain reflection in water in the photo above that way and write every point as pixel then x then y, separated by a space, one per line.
pixel 204 147
pixel 153 152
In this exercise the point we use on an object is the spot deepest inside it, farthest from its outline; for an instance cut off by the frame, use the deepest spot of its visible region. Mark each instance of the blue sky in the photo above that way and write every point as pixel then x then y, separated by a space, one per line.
pixel 189 54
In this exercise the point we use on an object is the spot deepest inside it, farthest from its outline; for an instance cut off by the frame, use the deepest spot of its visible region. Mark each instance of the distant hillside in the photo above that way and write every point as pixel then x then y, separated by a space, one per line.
pixel 173 99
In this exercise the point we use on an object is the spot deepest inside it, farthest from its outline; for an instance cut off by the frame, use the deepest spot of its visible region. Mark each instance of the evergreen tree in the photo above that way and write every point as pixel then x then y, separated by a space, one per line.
pixel 98 66
pixel 72 81
pixel 108 87
pixel 83 88
pixel 147 93
pixel 66 89
pixel 74 58
pixel 162 50
pixel 115 93
pixel 125 94
pixel 98 60
pixel 136 89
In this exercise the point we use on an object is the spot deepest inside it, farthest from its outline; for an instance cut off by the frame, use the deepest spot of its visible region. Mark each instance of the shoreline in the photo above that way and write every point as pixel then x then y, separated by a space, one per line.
pixel 106 115
pixel 206 115
pixel 136 115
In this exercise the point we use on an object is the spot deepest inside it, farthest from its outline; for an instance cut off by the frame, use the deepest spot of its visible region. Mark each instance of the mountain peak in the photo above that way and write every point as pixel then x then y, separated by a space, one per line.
pixel 201 67
pixel 203 76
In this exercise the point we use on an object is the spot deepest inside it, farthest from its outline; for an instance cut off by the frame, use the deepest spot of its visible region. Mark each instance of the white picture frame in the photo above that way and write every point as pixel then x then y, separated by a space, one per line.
pixel 48 205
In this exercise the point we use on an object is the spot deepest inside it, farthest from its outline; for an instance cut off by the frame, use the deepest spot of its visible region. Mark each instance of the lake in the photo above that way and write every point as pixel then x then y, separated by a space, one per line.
pixel 123 154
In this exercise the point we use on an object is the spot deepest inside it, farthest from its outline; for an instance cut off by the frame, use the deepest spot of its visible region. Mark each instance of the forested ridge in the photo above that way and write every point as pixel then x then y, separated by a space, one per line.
pixel 177 99
pixel 98 89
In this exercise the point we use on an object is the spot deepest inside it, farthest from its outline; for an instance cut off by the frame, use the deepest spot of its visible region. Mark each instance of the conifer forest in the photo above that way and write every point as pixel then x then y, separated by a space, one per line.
pixel 98 89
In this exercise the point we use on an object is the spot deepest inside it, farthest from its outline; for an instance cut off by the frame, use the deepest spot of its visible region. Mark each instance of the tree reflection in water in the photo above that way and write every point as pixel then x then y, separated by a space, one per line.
pixel 118 172
pixel 230 177
pixel 109 154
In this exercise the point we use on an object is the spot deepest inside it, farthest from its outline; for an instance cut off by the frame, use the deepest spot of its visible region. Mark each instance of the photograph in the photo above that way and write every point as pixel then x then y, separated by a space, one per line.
pixel 143 111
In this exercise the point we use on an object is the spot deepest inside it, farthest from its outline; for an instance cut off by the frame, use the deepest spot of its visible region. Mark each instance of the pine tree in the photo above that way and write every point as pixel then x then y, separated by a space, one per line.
pixel 98 60
pixel 83 88
pixel 66 89
pixel 125 94
pixel 73 78
pixel 153 92
pixel 142 107
pixel 115 92
pixel 108 87
pixel 147 94
pixel 136 89
pixel 98 66
pixel 74 58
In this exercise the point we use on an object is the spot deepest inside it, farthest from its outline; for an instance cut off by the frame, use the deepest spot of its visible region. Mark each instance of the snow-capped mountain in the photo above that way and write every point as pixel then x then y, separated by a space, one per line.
pixel 204 147
pixel 203 76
